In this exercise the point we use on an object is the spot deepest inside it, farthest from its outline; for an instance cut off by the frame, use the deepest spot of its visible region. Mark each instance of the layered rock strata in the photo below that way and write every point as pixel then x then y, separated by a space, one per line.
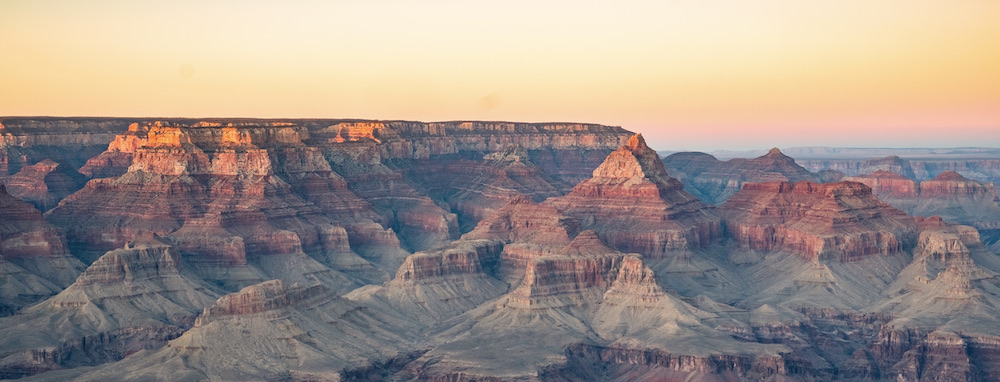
pixel 949 195
pixel 226 193
pixel 298 332
pixel 70 141
pixel 584 293
pixel 474 189
pixel 34 259
pixel 839 221
pixel 44 184
pixel 634 206
pixel 130 299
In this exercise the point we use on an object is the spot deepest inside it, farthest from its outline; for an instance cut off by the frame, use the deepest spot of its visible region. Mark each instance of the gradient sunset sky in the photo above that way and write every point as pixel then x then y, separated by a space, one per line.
pixel 696 75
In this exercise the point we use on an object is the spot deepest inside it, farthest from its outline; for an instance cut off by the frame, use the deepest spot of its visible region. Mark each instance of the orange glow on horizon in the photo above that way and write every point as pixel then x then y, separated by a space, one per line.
pixel 687 74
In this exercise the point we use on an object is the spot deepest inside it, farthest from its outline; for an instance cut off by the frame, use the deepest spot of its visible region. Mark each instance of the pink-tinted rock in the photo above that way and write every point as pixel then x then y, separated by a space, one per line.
pixel 44 183
pixel 887 184
pixel 840 221
pixel 950 184
pixel 634 206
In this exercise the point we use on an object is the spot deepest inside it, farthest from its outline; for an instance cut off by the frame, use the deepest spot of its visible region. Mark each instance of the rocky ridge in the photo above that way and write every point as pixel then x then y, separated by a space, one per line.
pixel 308 223
pixel 635 206
pixel 713 181
pixel 34 260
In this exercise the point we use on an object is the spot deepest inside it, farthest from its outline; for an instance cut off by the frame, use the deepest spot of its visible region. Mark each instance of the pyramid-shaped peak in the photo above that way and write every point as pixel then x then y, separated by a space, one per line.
pixel 775 152
pixel 587 243
pixel 951 175
pixel 637 143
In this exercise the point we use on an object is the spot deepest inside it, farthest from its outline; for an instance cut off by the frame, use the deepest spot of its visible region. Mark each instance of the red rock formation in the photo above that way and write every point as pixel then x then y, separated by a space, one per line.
pixel 416 219
pixel 619 363
pixel 839 221
pixel 950 184
pixel 474 189
pixel 582 269
pixel 634 206
pixel 180 172
pixel 529 231
pixel 885 184
pixel 950 195
pixel 44 183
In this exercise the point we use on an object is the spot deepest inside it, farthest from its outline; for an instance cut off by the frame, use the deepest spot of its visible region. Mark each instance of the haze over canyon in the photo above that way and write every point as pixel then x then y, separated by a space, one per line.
pixel 329 250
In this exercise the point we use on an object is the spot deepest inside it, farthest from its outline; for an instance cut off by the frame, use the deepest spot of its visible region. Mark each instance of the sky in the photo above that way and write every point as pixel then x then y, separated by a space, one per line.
pixel 689 75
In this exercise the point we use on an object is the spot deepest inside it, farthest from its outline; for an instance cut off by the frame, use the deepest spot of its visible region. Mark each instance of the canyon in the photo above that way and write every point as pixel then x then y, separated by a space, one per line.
pixel 329 250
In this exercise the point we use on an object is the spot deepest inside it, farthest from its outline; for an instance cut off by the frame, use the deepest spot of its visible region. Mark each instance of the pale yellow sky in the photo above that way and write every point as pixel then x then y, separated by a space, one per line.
pixel 688 74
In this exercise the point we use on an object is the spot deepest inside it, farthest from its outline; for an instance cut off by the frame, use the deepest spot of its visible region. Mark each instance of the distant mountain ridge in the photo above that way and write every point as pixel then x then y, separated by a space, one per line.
pixel 825 152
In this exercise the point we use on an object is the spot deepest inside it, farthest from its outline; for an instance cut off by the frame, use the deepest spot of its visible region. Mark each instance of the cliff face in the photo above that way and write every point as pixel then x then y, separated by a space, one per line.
pixel 635 206
pixel 842 221
pixel 34 260
pixel 474 189
pixel 714 181
pixel 128 300
pixel 886 184
pixel 70 141
pixel 949 195
pixel 308 225
pixel 44 183
pixel 982 168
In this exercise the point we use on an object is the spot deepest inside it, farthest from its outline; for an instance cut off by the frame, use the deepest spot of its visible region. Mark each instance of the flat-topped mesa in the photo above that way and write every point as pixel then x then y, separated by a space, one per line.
pixel 839 221
pixel 258 298
pixel 581 274
pixel 887 184
pixel 169 147
pixel 465 257
pixel 950 184
pixel 146 258
pixel 70 141
pixel 634 206
pixel 357 131
pixel 420 140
